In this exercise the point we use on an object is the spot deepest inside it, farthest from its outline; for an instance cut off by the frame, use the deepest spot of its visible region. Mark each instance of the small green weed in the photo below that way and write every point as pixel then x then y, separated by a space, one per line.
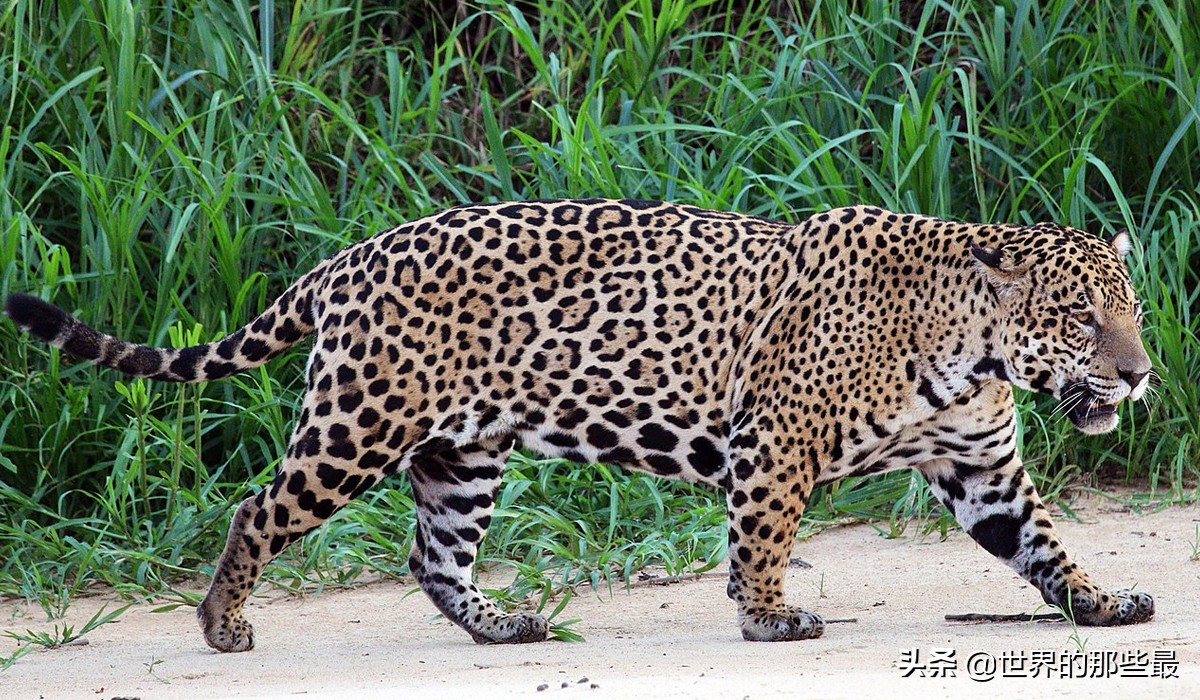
pixel 61 635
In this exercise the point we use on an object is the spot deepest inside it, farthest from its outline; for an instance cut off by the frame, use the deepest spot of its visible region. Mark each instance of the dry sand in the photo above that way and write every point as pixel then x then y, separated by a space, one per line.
pixel 676 641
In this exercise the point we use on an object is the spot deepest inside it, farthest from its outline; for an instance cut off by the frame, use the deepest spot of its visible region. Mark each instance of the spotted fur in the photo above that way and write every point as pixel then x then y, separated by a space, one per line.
pixel 759 357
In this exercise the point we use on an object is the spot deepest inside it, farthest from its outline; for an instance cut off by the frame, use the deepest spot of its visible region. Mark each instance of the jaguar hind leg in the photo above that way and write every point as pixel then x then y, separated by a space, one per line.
pixel 302 496
pixel 331 459
pixel 455 493
pixel 1000 508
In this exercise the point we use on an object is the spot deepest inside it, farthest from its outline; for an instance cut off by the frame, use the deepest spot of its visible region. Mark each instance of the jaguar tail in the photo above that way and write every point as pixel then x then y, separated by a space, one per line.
pixel 286 322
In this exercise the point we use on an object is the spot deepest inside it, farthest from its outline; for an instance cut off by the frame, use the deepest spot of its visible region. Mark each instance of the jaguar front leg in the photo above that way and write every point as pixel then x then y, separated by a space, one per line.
pixel 766 494
pixel 1000 508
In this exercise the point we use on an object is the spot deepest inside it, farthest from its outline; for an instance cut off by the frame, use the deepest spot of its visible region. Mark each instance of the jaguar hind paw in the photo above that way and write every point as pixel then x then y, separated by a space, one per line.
pixel 515 628
pixel 225 632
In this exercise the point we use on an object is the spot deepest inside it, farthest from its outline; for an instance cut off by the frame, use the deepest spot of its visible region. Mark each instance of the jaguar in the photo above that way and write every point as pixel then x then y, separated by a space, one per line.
pixel 759 357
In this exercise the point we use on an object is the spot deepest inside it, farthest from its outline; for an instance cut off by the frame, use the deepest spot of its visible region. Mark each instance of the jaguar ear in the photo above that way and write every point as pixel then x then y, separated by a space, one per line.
pixel 1121 242
pixel 987 256
pixel 1000 266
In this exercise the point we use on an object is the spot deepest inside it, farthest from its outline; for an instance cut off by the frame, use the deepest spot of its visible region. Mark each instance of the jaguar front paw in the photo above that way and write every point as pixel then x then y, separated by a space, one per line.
pixel 1102 609
pixel 1127 608
pixel 783 625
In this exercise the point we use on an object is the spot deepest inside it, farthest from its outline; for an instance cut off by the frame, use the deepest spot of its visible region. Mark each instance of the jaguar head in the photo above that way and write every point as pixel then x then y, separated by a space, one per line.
pixel 1069 320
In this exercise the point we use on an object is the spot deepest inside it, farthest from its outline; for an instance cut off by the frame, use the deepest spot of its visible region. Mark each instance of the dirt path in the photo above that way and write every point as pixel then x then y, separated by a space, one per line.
pixel 677 641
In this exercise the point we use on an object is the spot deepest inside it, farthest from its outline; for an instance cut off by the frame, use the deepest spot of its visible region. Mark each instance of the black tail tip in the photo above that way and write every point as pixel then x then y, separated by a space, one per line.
pixel 41 318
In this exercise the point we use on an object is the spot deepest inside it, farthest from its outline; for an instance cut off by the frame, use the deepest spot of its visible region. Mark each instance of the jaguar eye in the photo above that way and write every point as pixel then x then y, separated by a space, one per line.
pixel 1086 318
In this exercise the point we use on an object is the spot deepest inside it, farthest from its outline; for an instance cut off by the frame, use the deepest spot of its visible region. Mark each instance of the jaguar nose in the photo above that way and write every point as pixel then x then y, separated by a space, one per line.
pixel 1132 378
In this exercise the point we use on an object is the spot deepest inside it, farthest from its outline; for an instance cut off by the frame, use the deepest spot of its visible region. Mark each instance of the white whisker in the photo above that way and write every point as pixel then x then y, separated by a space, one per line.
pixel 1068 404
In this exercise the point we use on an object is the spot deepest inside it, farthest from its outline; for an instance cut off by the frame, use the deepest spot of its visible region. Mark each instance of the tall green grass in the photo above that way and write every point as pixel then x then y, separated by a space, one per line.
pixel 167 167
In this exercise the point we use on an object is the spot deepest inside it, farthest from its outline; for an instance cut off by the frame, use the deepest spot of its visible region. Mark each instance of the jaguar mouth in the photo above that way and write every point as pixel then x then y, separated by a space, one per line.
pixel 1088 412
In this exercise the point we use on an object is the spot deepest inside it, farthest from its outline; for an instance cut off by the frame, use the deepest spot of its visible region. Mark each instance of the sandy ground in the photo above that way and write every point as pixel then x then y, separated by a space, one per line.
pixel 676 641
